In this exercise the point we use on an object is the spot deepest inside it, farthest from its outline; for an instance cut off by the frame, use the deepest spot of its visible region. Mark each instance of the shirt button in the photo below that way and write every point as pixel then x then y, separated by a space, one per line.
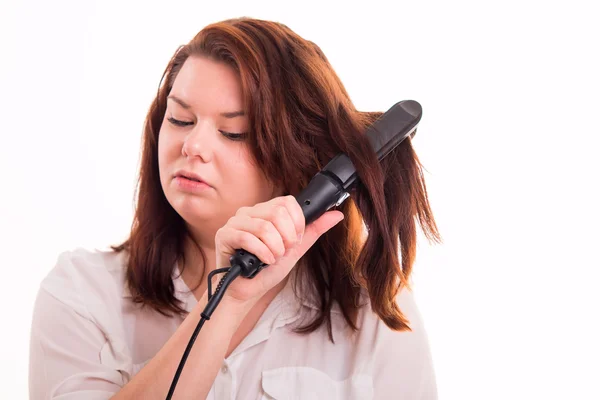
pixel 224 369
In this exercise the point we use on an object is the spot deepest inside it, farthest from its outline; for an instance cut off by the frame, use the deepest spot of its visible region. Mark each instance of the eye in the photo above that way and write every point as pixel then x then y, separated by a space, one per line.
pixel 177 122
pixel 229 135
pixel 234 136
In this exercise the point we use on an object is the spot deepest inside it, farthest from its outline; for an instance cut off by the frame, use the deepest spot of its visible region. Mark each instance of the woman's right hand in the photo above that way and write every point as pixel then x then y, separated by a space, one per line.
pixel 275 232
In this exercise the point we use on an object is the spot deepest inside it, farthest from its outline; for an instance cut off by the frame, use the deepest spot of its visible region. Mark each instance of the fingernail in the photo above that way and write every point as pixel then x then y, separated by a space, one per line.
pixel 299 237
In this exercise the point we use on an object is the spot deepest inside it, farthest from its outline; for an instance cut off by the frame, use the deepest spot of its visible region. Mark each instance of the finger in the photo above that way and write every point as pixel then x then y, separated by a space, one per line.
pixel 295 211
pixel 270 276
pixel 232 239
pixel 291 205
pixel 284 212
pixel 283 221
pixel 265 230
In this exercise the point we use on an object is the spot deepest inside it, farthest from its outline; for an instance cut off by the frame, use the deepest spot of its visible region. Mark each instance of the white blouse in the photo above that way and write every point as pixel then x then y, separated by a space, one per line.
pixel 88 339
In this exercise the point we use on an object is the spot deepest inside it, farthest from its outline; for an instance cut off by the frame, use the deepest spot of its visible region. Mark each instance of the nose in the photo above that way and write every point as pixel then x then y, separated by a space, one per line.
pixel 200 142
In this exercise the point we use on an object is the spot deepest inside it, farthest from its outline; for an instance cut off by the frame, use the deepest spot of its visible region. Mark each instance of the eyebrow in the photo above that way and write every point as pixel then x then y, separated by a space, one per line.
pixel 231 114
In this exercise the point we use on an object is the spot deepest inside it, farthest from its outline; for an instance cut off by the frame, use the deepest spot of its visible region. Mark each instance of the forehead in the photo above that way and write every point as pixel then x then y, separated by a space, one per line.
pixel 207 85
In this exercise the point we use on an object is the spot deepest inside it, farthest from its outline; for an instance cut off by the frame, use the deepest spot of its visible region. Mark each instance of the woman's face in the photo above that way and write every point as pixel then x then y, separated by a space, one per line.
pixel 207 100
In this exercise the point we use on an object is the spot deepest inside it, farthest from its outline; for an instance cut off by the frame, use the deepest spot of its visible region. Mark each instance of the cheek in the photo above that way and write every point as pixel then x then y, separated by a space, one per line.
pixel 246 179
pixel 262 189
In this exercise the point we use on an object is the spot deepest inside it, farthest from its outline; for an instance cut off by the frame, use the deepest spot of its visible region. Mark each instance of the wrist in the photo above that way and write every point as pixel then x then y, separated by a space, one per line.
pixel 226 317
pixel 233 309
pixel 236 307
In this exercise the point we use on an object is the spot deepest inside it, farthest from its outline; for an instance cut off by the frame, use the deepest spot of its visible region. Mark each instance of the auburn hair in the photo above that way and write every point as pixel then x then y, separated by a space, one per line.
pixel 300 117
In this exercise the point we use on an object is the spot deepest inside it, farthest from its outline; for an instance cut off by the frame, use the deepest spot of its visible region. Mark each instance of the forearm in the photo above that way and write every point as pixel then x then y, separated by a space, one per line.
pixel 203 362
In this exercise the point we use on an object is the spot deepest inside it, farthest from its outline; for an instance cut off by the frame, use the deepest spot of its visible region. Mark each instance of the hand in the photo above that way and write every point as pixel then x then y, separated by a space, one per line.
pixel 271 232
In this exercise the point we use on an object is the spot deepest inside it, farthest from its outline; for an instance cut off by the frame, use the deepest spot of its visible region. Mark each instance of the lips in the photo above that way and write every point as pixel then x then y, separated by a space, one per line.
pixel 192 179
pixel 191 176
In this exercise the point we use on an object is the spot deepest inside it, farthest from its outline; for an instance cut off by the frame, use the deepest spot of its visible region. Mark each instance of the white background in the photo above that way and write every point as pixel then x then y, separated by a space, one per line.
pixel 509 138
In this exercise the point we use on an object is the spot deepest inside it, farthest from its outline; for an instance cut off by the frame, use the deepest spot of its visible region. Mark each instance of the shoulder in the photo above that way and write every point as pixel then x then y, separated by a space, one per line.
pixel 387 344
pixel 401 361
pixel 81 276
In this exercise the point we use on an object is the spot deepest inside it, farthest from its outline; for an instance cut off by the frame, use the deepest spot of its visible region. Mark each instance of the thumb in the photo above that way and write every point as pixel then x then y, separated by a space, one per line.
pixel 314 230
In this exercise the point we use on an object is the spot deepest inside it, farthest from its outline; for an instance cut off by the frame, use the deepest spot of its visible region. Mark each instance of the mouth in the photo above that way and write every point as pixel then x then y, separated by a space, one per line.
pixel 190 178
pixel 190 181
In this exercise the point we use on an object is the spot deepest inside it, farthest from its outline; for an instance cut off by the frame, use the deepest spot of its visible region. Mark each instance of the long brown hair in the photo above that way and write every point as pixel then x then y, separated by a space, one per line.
pixel 300 117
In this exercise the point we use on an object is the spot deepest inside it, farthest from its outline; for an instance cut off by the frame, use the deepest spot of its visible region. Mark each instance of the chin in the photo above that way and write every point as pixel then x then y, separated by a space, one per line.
pixel 195 210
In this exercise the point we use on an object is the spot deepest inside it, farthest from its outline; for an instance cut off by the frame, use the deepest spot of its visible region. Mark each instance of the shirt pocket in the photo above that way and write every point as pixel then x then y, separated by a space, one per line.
pixel 305 383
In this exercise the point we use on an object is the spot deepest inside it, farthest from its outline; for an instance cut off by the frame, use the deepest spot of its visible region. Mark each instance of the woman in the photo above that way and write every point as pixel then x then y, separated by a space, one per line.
pixel 247 115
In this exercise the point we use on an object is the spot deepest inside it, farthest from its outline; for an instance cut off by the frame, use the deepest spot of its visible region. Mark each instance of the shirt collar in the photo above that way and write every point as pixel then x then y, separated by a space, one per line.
pixel 285 303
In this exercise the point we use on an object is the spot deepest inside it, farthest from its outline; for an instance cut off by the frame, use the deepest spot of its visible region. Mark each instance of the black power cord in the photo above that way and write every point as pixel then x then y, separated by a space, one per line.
pixel 242 263
pixel 213 301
